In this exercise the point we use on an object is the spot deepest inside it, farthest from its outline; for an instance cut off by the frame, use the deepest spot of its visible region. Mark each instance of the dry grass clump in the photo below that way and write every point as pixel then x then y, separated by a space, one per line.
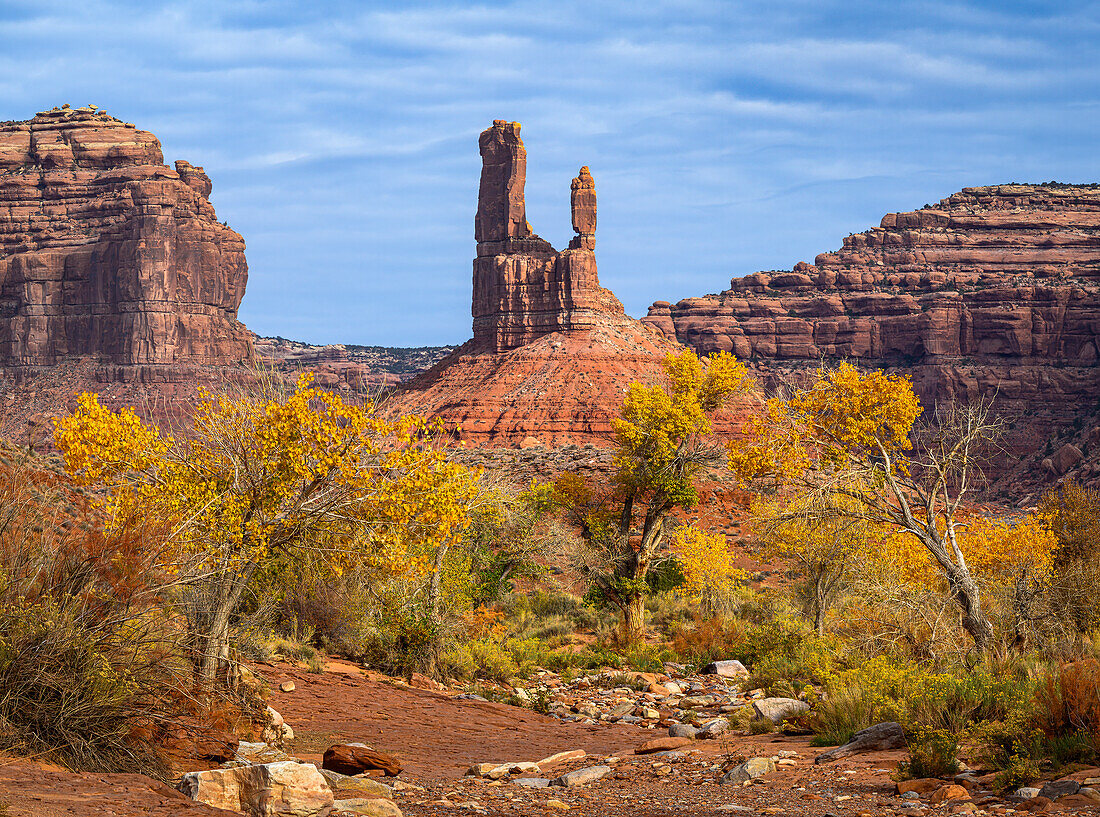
pixel 87 653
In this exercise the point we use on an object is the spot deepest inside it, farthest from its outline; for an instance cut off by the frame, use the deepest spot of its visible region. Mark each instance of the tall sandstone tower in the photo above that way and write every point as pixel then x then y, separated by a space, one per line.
pixel 523 287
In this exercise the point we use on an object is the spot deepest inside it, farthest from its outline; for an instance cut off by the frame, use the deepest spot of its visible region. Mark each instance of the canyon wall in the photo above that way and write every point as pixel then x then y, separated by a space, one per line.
pixel 105 252
pixel 994 292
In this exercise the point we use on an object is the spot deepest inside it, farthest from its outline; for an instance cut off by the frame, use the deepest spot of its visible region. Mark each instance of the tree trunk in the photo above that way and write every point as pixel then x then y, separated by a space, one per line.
pixel 634 621
pixel 973 619
pixel 435 597
pixel 215 647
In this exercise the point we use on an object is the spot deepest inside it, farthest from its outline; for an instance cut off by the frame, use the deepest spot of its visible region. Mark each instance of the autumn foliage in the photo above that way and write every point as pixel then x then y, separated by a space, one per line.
pixel 271 475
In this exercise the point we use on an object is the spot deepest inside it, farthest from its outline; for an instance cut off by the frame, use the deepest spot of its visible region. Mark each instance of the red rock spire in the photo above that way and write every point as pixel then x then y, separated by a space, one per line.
pixel 523 287
pixel 501 213
pixel 583 203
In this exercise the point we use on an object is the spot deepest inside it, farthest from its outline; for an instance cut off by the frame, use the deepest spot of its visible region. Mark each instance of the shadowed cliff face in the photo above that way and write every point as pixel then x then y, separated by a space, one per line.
pixel 523 287
pixel 107 252
pixel 993 292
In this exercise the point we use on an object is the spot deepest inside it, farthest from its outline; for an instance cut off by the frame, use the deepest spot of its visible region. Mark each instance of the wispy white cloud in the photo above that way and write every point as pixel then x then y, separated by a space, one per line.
pixel 724 136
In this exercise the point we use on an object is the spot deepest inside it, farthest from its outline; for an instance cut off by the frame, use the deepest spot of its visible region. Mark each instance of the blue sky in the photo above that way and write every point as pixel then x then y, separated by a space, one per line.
pixel 724 137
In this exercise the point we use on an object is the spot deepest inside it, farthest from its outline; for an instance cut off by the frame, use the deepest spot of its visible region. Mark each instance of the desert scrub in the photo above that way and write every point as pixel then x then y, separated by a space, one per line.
pixel 90 661
pixel 932 753
pixel 787 649
pixel 483 659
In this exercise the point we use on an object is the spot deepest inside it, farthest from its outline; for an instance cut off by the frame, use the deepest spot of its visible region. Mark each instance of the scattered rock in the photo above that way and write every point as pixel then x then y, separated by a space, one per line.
pixel 727 669
pixel 371 807
pixel 778 710
pixel 878 738
pixel 287 686
pixel 582 776
pixel 751 769
pixel 557 805
pixel 353 758
pixel 532 782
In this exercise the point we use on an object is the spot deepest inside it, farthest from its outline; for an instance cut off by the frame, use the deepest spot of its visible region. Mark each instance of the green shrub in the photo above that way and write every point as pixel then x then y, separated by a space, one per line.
pixel 932 753
pixel 761 726
pixel 844 711
pixel 484 659
pixel 788 650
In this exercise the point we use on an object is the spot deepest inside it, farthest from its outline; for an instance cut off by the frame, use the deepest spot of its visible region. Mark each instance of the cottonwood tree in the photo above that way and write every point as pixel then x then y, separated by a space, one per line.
pixel 851 434
pixel 664 439
pixel 267 474
pixel 825 538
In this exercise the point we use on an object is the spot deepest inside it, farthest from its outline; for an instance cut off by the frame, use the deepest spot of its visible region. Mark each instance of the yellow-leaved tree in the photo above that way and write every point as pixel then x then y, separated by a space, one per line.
pixel 853 434
pixel 664 438
pixel 272 473
pixel 711 574
pixel 825 536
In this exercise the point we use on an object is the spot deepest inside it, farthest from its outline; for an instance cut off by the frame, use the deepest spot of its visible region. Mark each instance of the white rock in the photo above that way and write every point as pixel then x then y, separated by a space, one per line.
pixel 283 789
pixel 777 710
pixel 370 807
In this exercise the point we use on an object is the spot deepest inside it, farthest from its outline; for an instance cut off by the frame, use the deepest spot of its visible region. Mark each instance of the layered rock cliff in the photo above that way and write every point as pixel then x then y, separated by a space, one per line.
pixel 107 253
pixel 523 287
pixel 994 291
pixel 552 352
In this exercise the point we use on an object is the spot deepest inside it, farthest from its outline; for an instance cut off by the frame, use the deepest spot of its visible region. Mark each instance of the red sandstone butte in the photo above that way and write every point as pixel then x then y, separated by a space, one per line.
pixel 994 291
pixel 553 352
pixel 107 252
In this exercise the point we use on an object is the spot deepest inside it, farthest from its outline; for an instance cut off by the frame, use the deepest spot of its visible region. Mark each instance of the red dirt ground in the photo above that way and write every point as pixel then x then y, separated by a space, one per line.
pixel 437 739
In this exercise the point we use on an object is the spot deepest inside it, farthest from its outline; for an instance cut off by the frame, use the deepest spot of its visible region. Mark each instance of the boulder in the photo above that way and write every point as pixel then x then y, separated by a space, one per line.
pixel 1037 804
pixel 562 757
pixel 778 710
pixel 712 729
pixel 950 792
pixel 580 777
pixel 662 745
pixel 878 738
pixel 922 785
pixel 682 730
pixel 358 786
pixel 354 758
pixel 751 769
pixel 726 669
pixel 1059 788
pixel 1066 457
pixel 283 789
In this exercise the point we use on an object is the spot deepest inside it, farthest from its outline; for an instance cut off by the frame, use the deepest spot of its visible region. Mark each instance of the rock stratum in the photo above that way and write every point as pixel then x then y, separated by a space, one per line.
pixel 993 292
pixel 108 253
pixel 553 352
